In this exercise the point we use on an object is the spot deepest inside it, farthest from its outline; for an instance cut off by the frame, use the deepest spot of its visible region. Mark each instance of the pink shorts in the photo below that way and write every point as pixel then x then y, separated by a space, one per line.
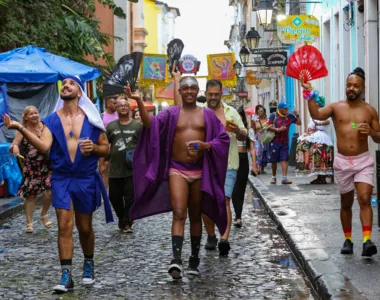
pixel 189 171
pixel 351 169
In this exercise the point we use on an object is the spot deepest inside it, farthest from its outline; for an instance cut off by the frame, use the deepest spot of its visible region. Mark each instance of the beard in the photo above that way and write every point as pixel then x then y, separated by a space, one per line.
pixel 213 103
pixel 352 97
pixel 69 97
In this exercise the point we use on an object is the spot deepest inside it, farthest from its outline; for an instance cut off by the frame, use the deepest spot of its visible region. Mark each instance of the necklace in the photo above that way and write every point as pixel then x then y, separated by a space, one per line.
pixel 72 121
pixel 284 116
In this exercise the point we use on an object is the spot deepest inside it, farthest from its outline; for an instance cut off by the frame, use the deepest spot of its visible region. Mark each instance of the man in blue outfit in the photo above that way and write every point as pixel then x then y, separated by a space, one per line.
pixel 279 147
pixel 75 136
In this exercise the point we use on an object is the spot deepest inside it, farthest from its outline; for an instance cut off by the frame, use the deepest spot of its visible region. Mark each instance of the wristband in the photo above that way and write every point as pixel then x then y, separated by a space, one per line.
pixel 310 94
pixel 22 128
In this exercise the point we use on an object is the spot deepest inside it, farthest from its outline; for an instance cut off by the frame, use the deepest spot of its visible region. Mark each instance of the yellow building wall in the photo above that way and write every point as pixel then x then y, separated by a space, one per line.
pixel 150 23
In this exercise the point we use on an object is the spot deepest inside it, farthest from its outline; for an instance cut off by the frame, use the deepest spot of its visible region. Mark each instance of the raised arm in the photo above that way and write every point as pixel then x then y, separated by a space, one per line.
pixel 177 77
pixel 42 144
pixel 322 113
pixel 145 118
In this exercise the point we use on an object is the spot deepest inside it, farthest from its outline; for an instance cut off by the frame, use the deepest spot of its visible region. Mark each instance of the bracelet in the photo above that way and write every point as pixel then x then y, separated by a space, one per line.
pixel 22 128
pixel 310 94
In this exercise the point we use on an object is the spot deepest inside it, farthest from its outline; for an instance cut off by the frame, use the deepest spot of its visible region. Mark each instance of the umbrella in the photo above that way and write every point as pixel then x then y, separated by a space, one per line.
pixel 250 111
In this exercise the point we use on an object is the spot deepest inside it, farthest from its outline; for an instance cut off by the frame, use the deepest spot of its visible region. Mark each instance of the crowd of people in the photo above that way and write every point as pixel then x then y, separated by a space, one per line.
pixel 191 159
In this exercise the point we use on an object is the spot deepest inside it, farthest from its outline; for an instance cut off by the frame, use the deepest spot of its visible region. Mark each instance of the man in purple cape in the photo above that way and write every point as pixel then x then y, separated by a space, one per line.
pixel 180 163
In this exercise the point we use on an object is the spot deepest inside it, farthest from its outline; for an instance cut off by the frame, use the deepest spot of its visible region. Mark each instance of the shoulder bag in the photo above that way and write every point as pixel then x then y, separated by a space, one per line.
pixel 129 153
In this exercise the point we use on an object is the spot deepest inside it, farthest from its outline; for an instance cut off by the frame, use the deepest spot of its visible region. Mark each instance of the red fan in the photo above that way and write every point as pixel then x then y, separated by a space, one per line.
pixel 307 63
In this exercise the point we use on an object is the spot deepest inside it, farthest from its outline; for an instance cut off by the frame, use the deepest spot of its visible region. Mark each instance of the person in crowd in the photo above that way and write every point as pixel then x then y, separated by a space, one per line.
pixel 315 149
pixel 272 106
pixel 122 134
pixel 110 113
pixel 76 137
pixel 261 150
pixel 278 150
pixel 354 120
pixel 136 115
pixel 180 164
pixel 108 116
pixel 242 173
pixel 230 118
pixel 36 171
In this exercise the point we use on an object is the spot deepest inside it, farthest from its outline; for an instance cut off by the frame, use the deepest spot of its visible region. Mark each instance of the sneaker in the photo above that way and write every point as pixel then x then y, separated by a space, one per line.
pixel 348 247
pixel 238 223
pixel 88 276
pixel 369 249
pixel 224 247
pixel 128 229
pixel 193 266
pixel 176 269
pixel 211 243
pixel 66 284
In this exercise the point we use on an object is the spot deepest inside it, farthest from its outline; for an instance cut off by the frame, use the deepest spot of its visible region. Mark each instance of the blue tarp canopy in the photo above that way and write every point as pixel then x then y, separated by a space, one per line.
pixel 35 65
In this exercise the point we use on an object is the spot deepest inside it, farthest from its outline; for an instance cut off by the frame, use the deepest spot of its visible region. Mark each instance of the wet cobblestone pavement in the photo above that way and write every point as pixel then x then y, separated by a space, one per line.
pixel 260 265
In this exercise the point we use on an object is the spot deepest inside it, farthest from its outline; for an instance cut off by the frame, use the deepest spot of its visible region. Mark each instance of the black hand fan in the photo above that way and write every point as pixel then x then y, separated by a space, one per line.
pixel 125 72
pixel 175 48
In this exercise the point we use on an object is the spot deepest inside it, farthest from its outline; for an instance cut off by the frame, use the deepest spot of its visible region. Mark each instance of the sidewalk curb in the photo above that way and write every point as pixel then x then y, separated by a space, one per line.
pixel 11 209
pixel 326 278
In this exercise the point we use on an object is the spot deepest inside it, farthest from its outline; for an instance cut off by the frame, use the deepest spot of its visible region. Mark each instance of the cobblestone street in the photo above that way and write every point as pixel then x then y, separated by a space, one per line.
pixel 260 265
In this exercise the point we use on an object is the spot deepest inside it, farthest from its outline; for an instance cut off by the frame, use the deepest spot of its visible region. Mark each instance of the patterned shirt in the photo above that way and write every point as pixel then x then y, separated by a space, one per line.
pixel 289 119
pixel 231 113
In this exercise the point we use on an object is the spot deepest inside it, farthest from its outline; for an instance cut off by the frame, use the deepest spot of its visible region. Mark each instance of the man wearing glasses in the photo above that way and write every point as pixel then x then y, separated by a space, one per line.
pixel 122 135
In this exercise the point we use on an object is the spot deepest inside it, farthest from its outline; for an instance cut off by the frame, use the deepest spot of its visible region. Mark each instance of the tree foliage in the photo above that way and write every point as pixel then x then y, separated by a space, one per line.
pixel 64 27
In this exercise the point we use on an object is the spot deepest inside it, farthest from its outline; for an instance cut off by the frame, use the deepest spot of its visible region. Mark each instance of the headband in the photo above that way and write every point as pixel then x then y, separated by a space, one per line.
pixel 76 79
pixel 188 81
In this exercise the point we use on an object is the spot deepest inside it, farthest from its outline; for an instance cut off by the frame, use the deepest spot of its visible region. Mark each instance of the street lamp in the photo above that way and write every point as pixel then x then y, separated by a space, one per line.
pixel 264 12
pixel 253 38
pixel 244 55
pixel 237 68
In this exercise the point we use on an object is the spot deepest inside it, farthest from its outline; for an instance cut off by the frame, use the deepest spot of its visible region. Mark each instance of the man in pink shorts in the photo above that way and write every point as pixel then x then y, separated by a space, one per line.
pixel 354 120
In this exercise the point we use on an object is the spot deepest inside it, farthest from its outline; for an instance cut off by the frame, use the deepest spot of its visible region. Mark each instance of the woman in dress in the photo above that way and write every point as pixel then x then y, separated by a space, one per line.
pixel 315 150
pixel 242 174
pixel 36 171
pixel 258 123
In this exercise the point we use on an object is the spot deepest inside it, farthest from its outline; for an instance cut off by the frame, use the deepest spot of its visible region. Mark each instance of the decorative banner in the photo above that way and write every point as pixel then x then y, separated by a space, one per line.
pixel 295 29
pixel 165 93
pixel 174 51
pixel 189 64
pixel 252 79
pixel 153 70
pixel 278 59
pixel 220 66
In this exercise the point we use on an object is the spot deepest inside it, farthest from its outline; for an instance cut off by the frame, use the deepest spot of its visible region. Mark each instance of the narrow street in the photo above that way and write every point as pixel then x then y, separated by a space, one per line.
pixel 260 265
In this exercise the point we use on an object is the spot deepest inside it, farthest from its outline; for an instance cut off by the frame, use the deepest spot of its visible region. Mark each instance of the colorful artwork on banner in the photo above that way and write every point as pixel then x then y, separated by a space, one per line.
pixel 220 66
pixel 166 92
pixel 153 69
pixel 296 29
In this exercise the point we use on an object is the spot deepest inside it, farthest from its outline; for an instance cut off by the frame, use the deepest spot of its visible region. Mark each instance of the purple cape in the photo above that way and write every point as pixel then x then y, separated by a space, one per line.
pixel 151 167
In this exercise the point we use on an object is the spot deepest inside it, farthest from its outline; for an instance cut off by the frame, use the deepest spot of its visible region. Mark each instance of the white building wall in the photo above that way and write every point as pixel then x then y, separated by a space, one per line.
pixel 121 29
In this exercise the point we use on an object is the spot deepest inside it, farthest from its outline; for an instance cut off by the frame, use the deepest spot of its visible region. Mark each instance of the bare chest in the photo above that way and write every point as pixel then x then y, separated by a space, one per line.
pixel 72 126
pixel 188 121
pixel 351 117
